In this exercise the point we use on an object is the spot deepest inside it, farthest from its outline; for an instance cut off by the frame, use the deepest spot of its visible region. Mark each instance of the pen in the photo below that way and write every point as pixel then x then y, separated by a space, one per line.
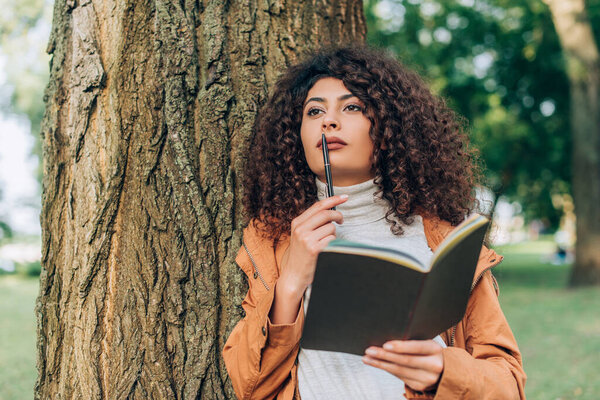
pixel 328 178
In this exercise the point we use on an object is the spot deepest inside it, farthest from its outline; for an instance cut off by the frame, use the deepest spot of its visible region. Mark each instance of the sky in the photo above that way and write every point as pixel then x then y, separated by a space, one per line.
pixel 20 194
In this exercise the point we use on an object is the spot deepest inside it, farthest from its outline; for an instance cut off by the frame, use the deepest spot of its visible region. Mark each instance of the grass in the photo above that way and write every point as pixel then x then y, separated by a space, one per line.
pixel 17 336
pixel 558 329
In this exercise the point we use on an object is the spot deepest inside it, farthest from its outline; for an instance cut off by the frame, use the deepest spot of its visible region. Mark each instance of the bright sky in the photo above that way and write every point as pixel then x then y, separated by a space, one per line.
pixel 20 200
pixel 20 194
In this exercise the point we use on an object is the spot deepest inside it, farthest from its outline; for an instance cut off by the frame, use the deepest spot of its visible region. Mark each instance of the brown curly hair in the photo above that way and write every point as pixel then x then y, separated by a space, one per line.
pixel 422 160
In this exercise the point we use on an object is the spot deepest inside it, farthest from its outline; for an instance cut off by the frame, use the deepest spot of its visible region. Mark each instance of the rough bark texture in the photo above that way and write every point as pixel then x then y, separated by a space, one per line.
pixel 149 113
pixel 583 68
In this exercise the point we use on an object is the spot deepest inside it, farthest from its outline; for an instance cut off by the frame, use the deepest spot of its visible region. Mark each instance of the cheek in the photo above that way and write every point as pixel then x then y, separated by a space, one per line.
pixel 367 145
pixel 303 134
pixel 308 142
pixel 367 153
pixel 305 138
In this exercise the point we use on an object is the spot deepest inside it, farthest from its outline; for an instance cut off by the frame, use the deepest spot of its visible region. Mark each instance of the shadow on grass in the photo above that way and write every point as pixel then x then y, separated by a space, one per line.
pixel 530 269
pixel 526 276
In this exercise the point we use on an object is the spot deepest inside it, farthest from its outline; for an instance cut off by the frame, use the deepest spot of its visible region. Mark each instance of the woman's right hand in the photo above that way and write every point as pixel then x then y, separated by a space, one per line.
pixel 311 231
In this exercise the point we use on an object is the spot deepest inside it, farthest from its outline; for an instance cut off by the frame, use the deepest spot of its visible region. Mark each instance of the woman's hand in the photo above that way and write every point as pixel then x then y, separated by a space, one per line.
pixel 419 363
pixel 311 231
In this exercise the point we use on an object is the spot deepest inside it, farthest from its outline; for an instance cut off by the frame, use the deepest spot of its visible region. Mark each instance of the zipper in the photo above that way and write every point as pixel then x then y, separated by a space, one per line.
pixel 475 282
pixel 256 271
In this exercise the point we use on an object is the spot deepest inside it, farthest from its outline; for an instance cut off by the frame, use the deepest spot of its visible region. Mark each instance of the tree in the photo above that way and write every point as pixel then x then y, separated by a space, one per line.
pixel 149 113
pixel 5 229
pixel 534 79
pixel 492 61
pixel 22 25
pixel 583 69
pixel 24 72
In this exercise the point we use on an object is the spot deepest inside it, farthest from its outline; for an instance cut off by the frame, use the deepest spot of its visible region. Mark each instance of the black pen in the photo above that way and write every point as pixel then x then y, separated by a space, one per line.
pixel 328 178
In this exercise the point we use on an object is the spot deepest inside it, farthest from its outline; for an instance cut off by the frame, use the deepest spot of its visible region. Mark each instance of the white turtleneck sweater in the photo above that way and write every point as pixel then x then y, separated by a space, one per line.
pixel 332 375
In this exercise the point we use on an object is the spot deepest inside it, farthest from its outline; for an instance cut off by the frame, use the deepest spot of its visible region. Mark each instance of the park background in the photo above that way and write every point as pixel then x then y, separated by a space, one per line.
pixel 500 64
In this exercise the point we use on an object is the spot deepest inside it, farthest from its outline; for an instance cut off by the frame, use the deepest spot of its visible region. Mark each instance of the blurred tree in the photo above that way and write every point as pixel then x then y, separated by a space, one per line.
pixel 583 69
pixel 499 63
pixel 24 29
pixel 5 229
pixel 149 113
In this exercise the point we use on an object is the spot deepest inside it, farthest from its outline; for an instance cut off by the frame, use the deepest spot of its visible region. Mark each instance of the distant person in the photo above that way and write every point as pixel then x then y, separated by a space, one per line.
pixel 403 177
pixel 560 255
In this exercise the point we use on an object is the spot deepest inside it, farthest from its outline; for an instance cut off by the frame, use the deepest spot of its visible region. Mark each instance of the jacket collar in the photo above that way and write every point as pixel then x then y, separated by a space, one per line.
pixel 435 232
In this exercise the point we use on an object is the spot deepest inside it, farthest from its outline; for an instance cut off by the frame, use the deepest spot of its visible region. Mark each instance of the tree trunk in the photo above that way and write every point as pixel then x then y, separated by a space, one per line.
pixel 149 113
pixel 583 68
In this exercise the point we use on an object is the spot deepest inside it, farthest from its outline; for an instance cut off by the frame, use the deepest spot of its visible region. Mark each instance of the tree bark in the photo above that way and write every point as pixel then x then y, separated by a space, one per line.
pixel 149 113
pixel 583 69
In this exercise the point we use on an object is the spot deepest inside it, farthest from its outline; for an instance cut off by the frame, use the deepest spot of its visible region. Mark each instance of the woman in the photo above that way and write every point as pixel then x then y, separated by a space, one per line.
pixel 403 176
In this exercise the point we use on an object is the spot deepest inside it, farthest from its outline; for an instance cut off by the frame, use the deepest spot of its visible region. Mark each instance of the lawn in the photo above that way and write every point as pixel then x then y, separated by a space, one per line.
pixel 558 329
pixel 17 336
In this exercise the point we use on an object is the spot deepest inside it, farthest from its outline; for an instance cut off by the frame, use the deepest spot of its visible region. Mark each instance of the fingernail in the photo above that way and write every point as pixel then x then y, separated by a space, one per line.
pixel 388 346
pixel 343 196
pixel 370 351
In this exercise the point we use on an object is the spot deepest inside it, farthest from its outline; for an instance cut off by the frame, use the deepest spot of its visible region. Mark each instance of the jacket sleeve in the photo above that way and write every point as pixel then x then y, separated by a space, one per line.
pixel 490 366
pixel 259 356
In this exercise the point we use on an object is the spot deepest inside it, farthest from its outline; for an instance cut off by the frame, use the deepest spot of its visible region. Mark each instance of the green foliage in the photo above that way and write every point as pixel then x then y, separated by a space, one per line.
pixel 5 229
pixel 25 270
pixel 32 269
pixel 22 42
pixel 498 63
pixel 24 29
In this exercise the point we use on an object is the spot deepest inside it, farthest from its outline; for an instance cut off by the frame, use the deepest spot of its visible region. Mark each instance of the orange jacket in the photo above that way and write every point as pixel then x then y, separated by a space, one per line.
pixel 482 360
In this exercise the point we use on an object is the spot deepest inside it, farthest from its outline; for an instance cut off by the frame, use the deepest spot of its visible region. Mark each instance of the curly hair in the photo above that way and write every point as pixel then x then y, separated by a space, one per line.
pixel 422 159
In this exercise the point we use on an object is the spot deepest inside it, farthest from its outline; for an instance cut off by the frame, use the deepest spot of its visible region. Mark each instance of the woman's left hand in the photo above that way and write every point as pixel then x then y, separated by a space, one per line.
pixel 419 363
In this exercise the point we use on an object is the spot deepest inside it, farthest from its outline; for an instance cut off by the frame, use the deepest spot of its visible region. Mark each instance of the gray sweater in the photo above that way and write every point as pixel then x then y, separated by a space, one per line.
pixel 331 375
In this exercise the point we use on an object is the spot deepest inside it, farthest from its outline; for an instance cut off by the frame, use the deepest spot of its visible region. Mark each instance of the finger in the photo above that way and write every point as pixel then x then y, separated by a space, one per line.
pixel 305 230
pixel 322 218
pixel 320 205
pixel 413 346
pixel 431 363
pixel 423 378
pixel 314 241
pixel 325 241
pixel 322 232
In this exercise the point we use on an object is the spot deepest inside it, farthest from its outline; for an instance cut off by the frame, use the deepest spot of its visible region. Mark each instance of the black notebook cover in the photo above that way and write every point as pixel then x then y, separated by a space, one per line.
pixel 357 300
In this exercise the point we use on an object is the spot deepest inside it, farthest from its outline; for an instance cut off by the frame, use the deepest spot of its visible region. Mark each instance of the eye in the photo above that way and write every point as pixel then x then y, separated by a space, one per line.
pixel 353 107
pixel 313 111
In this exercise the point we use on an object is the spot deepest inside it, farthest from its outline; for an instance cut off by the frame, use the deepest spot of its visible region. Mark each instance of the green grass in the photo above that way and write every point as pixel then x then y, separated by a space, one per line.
pixel 558 329
pixel 17 336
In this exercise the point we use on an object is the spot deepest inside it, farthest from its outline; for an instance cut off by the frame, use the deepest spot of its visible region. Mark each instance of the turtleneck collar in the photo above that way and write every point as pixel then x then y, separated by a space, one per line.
pixel 362 205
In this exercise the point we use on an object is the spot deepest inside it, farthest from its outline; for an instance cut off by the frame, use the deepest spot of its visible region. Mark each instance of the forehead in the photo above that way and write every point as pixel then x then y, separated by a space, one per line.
pixel 326 87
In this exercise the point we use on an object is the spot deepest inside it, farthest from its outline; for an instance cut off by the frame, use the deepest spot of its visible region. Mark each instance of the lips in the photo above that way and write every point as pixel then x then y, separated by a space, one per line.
pixel 333 142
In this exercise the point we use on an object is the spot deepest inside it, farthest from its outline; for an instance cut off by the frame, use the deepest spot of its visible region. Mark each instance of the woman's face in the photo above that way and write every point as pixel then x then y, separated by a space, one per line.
pixel 331 108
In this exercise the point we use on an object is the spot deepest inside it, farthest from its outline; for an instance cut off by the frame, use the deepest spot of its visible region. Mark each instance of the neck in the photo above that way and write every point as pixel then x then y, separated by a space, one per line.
pixel 362 206
pixel 340 180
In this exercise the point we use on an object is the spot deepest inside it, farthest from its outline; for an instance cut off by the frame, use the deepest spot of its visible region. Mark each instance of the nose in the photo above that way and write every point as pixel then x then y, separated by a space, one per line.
pixel 330 122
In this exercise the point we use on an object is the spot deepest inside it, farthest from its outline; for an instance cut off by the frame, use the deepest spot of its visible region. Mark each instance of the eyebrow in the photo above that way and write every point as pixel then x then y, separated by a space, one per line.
pixel 322 100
